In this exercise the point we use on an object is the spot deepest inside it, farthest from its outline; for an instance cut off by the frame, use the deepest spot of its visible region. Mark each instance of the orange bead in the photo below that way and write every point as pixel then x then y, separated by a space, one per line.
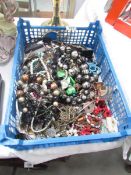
pixel 80 119
pixel 39 80
pixel 25 77
pixel 53 85
pixel 19 93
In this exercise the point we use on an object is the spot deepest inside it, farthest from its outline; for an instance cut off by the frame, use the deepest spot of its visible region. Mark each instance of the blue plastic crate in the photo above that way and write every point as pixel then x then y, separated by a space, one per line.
pixel 90 36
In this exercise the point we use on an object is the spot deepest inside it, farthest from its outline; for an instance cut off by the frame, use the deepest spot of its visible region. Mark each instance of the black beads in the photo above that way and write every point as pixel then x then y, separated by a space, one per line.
pixel 84 66
pixel 83 97
pixel 74 103
pixel 68 100
pixel 68 50
pixel 85 72
pixel 74 54
pixel 79 100
pixel 86 77
pixel 79 78
pixel 86 85
pixel 86 92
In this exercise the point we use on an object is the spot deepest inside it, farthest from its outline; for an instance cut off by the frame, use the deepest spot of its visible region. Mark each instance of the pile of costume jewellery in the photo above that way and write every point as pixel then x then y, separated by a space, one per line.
pixel 60 94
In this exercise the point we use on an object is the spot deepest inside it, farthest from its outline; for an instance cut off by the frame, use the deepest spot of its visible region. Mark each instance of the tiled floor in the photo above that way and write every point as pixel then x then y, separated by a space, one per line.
pixel 101 163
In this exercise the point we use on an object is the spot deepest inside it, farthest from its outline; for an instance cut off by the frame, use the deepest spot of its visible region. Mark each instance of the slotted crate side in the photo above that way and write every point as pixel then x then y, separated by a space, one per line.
pixel 118 104
pixel 89 39
pixel 10 118
pixel 79 35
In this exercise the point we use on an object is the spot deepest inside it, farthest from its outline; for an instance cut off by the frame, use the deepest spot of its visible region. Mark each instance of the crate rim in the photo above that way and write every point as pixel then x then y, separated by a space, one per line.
pixel 27 143
pixel 19 144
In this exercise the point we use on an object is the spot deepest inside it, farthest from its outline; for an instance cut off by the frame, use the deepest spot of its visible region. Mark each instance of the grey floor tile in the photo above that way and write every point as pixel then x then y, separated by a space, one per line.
pixel 100 163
